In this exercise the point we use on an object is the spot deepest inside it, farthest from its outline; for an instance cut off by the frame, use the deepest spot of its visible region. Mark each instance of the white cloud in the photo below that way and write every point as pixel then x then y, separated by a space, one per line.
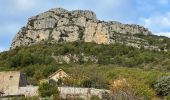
pixel 157 23
pixel 3 48
pixel 163 34
pixel 24 5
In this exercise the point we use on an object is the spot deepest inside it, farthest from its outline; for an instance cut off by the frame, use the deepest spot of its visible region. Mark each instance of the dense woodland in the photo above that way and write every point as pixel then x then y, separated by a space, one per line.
pixel 142 68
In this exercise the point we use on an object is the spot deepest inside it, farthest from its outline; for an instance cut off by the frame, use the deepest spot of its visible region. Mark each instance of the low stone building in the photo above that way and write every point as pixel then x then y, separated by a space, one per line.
pixel 11 81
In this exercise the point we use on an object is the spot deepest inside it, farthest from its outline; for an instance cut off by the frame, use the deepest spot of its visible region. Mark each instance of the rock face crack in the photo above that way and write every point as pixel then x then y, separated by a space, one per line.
pixel 60 25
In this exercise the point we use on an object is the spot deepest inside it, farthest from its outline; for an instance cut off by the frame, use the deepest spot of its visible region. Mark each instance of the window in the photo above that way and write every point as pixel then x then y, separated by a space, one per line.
pixel 10 77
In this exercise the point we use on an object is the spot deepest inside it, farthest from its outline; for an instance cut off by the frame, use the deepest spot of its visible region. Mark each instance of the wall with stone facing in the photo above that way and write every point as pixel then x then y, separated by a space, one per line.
pixel 85 93
pixel 28 91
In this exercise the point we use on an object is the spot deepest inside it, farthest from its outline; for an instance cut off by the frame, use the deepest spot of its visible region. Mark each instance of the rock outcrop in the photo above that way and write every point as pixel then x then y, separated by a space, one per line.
pixel 74 58
pixel 59 25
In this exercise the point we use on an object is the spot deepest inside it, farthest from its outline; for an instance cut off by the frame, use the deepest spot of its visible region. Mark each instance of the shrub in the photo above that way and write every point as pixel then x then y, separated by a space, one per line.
pixel 130 89
pixel 120 90
pixel 162 86
pixel 141 90
pixel 47 90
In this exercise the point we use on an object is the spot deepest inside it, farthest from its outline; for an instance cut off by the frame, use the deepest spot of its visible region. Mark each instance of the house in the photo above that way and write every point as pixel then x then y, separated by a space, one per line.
pixel 10 82
pixel 60 74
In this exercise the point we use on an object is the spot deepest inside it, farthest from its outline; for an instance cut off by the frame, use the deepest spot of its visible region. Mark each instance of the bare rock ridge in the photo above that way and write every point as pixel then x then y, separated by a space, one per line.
pixel 59 25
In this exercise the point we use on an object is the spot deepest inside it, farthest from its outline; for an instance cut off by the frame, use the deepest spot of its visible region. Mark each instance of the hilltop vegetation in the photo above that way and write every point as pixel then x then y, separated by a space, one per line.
pixel 116 54
pixel 161 41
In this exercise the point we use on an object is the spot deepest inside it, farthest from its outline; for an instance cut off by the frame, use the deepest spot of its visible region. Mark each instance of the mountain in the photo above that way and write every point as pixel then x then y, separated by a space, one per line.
pixel 92 52
pixel 64 38
pixel 59 25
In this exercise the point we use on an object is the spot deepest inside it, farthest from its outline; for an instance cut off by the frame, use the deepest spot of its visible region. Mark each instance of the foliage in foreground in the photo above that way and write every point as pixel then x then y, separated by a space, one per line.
pixel 162 86
pixel 130 89
pixel 47 90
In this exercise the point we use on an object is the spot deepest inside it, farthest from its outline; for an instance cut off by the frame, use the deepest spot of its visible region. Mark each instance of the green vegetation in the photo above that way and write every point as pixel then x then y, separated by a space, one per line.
pixel 116 54
pixel 161 41
pixel 47 90
pixel 162 86
pixel 130 89
pixel 115 61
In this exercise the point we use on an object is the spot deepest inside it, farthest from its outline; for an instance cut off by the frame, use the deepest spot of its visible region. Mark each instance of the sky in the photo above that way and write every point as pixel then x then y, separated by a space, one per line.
pixel 152 14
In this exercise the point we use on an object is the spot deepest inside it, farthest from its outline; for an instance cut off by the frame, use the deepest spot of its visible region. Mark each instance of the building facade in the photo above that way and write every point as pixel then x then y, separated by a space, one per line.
pixel 11 81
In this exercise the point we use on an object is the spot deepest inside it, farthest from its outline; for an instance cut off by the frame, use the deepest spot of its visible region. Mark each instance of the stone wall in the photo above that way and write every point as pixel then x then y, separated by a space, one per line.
pixel 28 91
pixel 85 93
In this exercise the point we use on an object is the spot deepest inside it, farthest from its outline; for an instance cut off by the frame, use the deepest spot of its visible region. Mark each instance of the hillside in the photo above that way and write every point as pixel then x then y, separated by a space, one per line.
pixel 84 53
pixel 90 64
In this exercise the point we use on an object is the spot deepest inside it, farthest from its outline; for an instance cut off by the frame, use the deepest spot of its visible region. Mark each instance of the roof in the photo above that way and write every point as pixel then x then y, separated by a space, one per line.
pixel 60 70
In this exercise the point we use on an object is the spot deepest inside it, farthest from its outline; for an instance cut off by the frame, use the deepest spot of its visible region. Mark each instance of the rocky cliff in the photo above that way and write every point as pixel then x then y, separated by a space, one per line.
pixel 59 25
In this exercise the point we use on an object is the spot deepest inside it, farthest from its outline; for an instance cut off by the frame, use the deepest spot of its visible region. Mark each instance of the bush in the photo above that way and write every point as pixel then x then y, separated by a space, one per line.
pixel 130 89
pixel 141 90
pixel 162 86
pixel 121 90
pixel 47 90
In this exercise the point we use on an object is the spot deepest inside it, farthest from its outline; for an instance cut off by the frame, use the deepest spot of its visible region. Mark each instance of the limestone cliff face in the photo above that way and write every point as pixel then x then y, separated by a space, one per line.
pixel 59 25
